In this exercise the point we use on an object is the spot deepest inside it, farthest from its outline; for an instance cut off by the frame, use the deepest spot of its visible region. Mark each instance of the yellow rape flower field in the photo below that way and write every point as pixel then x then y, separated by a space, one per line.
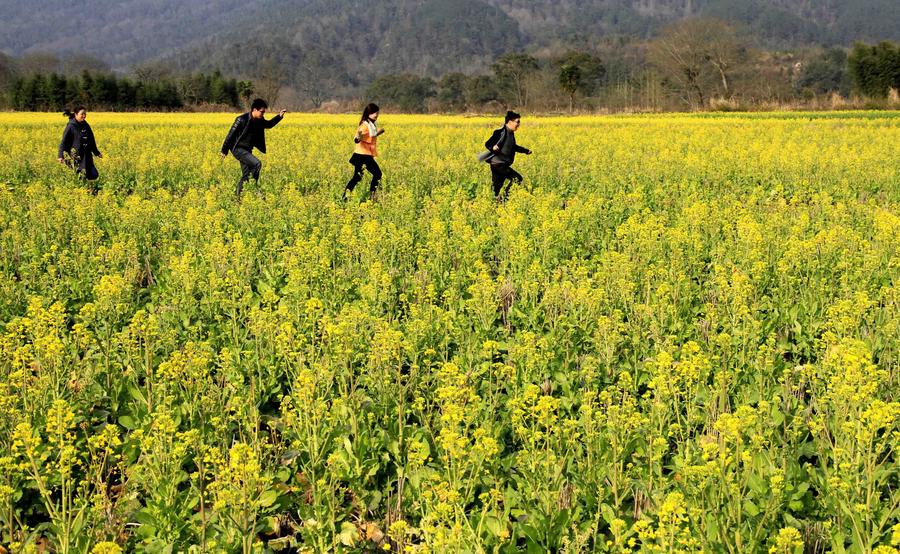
pixel 681 333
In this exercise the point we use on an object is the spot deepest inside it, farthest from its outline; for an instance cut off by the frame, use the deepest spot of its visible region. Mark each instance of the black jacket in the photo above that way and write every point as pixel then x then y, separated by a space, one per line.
pixel 78 137
pixel 240 126
pixel 508 147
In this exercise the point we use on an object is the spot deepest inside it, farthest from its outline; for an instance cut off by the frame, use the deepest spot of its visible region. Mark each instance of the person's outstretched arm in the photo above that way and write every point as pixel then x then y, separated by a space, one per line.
pixel 522 150
pixel 274 121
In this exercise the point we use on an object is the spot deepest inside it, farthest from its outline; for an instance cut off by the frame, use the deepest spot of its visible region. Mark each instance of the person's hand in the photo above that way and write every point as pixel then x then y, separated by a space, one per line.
pixel 496 148
pixel 528 153
pixel 100 156
pixel 61 160
pixel 282 112
pixel 222 155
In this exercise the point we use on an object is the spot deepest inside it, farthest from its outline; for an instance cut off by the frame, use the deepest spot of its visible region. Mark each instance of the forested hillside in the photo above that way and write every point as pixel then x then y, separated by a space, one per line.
pixel 428 36
pixel 456 54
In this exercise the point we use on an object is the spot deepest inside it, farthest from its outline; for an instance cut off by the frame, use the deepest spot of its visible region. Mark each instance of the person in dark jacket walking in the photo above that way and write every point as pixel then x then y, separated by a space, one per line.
pixel 78 142
pixel 364 152
pixel 249 132
pixel 503 148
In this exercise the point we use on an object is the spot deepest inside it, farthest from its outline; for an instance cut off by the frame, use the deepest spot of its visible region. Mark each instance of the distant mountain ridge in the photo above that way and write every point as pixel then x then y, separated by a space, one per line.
pixel 352 41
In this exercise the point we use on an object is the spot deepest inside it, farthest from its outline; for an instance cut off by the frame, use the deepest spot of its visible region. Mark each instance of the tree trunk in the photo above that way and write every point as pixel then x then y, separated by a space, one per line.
pixel 724 80
pixel 700 97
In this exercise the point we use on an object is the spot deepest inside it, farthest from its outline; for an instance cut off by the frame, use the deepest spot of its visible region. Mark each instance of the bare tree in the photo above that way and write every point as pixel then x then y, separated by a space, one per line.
pixel 39 63
pixel 698 55
pixel 679 56
pixel 725 50
pixel 269 78
pixel 512 72
pixel 74 64
pixel 8 72
pixel 152 71
pixel 321 73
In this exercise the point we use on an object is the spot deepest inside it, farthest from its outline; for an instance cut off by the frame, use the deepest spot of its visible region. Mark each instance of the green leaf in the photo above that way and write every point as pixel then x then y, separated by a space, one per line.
pixel 560 521
pixel 837 541
pixel 136 393
pixel 493 525
pixel 268 498
pixel 750 508
pixel 757 484
pixel 288 543
pixel 533 534
pixel 712 530
pixel 777 417
pixel 348 534
pixel 268 525
pixel 608 514
pixel 375 500
pixel 144 518
pixel 127 422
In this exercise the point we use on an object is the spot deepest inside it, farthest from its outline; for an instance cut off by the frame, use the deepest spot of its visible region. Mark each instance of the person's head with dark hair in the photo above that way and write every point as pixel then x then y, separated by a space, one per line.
pixel 513 120
pixel 258 108
pixel 370 113
pixel 78 113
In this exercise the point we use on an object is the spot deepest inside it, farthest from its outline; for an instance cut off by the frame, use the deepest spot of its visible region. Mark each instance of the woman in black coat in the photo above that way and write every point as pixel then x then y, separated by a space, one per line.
pixel 78 141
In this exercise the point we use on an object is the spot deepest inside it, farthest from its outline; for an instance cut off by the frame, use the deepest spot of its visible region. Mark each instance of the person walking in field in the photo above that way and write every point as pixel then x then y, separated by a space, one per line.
pixel 501 154
pixel 249 132
pixel 364 153
pixel 79 144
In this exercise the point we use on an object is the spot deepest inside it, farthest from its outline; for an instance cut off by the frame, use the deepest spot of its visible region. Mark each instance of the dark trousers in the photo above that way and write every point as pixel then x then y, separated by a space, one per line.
pixel 501 173
pixel 250 166
pixel 84 166
pixel 368 162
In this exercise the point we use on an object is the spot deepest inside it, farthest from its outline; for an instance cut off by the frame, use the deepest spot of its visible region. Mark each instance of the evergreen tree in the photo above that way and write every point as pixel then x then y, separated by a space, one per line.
pixel 452 91
pixel 825 74
pixel 570 81
pixel 875 69
pixel 406 92
pixel 56 92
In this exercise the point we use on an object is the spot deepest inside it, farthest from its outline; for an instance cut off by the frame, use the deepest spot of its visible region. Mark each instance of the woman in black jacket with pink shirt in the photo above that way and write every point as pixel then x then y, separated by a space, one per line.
pixel 503 148
pixel 78 142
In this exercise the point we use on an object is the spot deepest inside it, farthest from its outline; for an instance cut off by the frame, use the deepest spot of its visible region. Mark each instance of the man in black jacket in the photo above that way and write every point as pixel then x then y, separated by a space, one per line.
pixel 502 146
pixel 249 132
